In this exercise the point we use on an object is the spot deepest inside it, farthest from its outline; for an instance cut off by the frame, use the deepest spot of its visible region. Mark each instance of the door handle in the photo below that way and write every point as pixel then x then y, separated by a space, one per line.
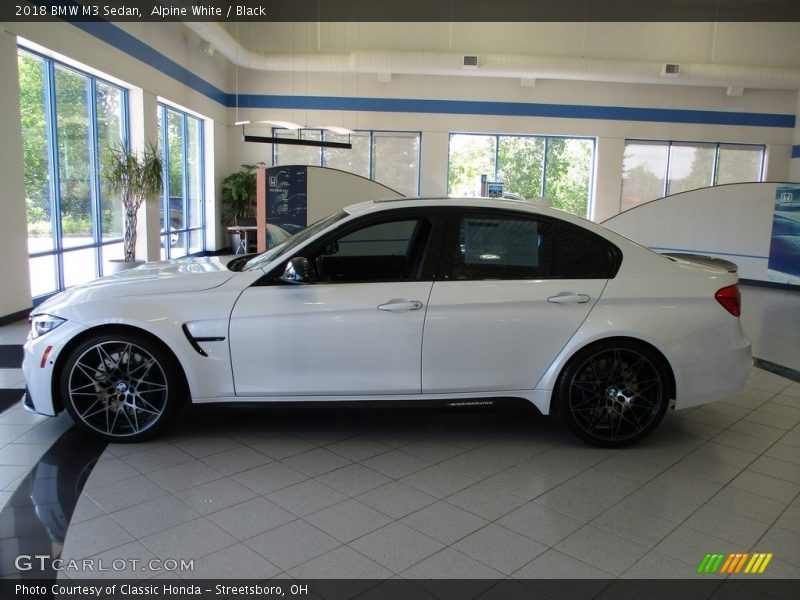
pixel 401 305
pixel 569 298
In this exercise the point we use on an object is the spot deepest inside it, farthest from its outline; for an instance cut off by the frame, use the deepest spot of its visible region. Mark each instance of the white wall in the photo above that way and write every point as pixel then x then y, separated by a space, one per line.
pixel 733 222
pixel 330 190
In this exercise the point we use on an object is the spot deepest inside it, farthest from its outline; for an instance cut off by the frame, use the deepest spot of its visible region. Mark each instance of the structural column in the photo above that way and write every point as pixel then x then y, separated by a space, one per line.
pixel 433 164
pixel 14 273
pixel 609 154
pixel 143 109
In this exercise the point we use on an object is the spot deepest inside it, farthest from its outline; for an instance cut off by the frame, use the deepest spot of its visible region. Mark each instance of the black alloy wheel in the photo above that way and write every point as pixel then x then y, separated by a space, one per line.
pixel 613 393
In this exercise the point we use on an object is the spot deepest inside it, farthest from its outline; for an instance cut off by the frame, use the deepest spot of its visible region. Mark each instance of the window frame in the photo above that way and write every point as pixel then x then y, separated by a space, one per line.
pixel 543 174
pixel 50 103
pixel 668 144
pixel 164 110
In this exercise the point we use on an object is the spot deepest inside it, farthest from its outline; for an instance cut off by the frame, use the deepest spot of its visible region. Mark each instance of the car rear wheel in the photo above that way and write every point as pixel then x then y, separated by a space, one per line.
pixel 121 387
pixel 613 393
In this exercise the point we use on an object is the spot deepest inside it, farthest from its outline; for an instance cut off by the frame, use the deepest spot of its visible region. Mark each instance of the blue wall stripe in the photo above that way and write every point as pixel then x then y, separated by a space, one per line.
pixel 796 151
pixel 519 109
pixel 120 39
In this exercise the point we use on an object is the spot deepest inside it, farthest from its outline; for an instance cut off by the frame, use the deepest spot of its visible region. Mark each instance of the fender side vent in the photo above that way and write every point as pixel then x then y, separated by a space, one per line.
pixel 194 341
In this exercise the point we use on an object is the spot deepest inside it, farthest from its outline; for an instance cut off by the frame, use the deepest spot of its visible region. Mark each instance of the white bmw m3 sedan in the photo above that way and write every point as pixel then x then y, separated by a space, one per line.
pixel 439 300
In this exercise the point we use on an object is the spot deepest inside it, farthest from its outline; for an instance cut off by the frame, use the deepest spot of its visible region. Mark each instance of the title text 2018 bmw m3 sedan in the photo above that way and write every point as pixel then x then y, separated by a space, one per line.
pixel 438 300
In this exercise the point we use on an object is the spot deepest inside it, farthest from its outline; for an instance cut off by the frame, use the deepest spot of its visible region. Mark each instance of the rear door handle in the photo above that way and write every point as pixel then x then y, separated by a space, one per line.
pixel 400 305
pixel 569 298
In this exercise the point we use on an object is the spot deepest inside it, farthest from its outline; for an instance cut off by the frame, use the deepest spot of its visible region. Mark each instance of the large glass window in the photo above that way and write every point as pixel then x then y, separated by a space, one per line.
pixel 388 157
pixel 70 120
pixel 737 163
pixel 652 169
pixel 558 168
pixel 356 160
pixel 182 214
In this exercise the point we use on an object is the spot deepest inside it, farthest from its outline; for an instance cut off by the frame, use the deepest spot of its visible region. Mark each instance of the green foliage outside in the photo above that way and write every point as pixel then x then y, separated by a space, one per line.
pixel 73 151
pixel 569 174
pixel 565 181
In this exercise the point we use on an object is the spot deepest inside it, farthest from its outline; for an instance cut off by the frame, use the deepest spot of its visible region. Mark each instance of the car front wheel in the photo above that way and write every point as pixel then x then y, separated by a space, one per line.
pixel 613 393
pixel 121 387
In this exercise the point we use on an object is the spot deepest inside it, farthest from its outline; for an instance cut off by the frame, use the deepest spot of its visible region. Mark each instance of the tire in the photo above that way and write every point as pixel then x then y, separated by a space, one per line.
pixel 120 386
pixel 613 393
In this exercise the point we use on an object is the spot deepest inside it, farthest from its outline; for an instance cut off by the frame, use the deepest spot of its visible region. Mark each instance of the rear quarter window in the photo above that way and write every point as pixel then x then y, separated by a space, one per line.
pixel 519 247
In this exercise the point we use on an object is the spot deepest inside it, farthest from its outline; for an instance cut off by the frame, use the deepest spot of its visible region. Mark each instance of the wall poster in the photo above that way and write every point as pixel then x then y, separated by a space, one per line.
pixel 287 200
pixel 784 249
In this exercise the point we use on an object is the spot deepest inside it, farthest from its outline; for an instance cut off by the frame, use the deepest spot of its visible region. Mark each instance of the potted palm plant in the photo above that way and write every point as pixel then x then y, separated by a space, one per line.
pixel 238 197
pixel 136 178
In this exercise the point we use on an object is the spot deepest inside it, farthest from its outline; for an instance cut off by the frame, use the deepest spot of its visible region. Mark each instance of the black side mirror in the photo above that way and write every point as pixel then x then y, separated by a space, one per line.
pixel 298 270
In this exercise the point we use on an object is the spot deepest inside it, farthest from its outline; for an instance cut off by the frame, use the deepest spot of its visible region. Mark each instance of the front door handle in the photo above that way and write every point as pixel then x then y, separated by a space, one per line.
pixel 569 298
pixel 400 305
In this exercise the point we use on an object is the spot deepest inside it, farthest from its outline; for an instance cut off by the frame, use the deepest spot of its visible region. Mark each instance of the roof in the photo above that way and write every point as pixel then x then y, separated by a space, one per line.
pixel 517 205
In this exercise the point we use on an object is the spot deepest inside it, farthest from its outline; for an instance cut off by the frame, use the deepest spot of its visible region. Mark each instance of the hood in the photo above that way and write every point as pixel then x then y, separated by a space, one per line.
pixel 162 277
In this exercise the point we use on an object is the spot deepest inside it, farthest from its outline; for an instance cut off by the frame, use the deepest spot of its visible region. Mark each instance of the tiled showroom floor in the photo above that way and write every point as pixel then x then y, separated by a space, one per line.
pixel 426 494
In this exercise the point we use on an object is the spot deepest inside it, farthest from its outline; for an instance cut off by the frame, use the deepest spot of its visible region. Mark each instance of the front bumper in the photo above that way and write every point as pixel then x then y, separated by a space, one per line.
pixel 27 403
pixel 38 366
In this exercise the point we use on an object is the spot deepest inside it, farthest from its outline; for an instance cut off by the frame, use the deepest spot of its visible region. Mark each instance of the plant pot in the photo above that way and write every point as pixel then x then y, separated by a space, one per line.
pixel 115 265
pixel 235 239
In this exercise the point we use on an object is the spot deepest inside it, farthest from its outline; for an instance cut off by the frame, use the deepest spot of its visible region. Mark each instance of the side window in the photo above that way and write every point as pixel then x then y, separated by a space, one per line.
pixel 579 254
pixel 499 248
pixel 388 251
pixel 512 247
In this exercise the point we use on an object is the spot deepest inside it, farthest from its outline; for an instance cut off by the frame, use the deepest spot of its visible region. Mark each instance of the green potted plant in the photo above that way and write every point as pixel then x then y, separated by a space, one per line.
pixel 136 178
pixel 239 197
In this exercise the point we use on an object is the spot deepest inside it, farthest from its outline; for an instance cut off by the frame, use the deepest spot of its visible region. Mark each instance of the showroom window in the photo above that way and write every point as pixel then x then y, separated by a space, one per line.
pixel 182 216
pixel 388 157
pixel 499 246
pixel 558 168
pixel 653 169
pixel 70 120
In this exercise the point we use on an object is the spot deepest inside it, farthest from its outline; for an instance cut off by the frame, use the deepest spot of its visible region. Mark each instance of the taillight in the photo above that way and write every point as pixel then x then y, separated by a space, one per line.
pixel 731 299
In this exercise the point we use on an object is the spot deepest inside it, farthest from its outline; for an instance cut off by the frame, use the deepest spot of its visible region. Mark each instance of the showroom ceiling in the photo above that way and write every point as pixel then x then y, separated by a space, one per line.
pixel 733 56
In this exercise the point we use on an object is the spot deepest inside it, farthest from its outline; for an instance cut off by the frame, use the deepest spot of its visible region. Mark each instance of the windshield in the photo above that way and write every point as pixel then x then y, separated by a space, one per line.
pixel 287 245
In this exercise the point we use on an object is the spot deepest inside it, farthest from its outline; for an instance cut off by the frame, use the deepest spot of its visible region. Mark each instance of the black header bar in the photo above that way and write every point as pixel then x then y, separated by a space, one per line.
pixel 400 10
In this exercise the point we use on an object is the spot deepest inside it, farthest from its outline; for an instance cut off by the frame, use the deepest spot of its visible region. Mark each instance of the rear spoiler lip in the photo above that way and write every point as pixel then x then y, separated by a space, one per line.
pixel 706 261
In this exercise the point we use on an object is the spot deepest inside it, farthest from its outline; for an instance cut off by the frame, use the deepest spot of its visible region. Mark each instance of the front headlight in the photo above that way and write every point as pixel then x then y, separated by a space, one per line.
pixel 41 324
